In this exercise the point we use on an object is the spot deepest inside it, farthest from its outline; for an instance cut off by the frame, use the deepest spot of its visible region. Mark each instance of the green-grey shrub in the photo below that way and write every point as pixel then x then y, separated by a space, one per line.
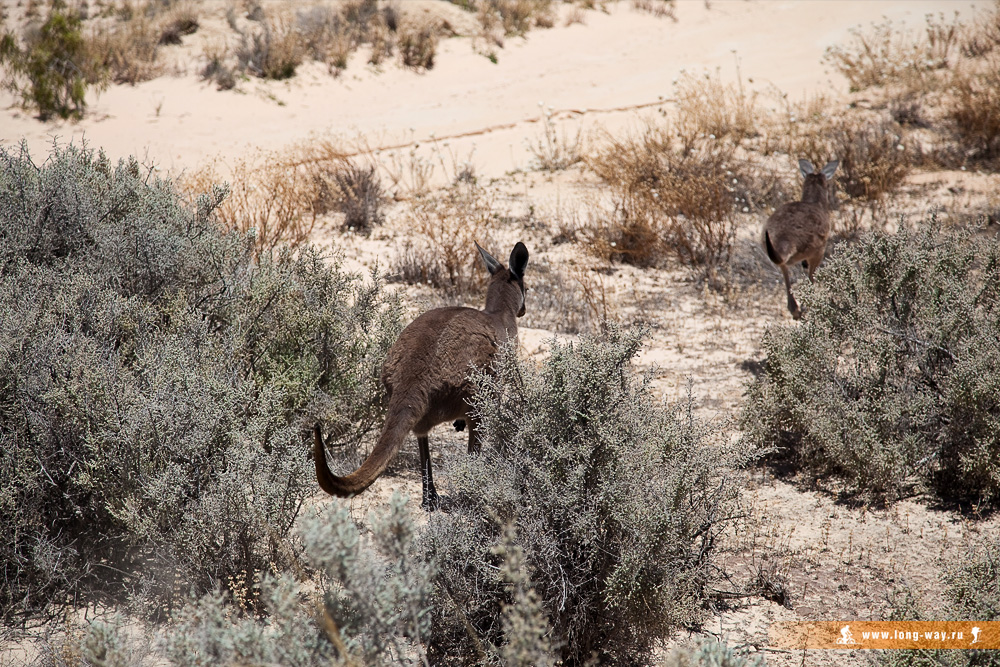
pixel 892 375
pixel 971 594
pixel 370 605
pixel 614 499
pixel 711 653
pixel 155 379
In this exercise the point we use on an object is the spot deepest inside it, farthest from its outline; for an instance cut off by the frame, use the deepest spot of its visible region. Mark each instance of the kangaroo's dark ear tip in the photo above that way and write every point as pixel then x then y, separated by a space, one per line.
pixel 518 259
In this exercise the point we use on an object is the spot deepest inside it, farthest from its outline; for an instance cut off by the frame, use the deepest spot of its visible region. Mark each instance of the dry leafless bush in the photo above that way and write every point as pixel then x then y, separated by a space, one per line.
pixel 883 53
pixel 180 21
pixel 271 51
pixel 417 45
pixel 708 107
pixel 983 36
pixel 354 190
pixel 331 34
pixel 973 112
pixel 219 66
pixel 555 150
pixel 676 198
pixel 441 229
pixel 271 197
pixel 128 48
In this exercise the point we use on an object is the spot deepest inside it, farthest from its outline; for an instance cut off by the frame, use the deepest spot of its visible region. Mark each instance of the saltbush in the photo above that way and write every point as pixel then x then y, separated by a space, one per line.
pixel 613 500
pixel 892 376
pixel 156 377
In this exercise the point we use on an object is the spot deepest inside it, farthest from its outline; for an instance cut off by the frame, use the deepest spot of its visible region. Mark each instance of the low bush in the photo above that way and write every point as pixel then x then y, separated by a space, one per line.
pixel 882 53
pixel 273 51
pixel 973 113
pixel 613 499
pixel 417 46
pixel 890 380
pixel 53 67
pixel 971 594
pixel 355 191
pixel 679 198
pixel 369 604
pixel 155 378
pixel 439 250
pixel 706 106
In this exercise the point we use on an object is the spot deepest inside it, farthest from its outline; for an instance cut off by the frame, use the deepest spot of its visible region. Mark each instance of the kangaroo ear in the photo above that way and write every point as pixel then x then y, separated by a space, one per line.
pixel 518 260
pixel 806 167
pixel 830 167
pixel 492 265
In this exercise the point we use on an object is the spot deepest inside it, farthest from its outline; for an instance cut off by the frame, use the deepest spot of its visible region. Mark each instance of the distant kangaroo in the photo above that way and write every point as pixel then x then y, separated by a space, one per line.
pixel 426 376
pixel 798 231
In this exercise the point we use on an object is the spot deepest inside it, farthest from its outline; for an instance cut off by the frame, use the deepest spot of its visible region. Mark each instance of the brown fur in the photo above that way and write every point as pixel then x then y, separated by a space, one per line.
pixel 426 376
pixel 798 231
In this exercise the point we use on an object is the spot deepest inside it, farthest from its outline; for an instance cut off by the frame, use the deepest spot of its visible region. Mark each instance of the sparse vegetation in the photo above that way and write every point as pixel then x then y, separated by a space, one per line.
pixel 974 113
pixel 889 381
pixel 439 249
pixel 614 499
pixel 709 108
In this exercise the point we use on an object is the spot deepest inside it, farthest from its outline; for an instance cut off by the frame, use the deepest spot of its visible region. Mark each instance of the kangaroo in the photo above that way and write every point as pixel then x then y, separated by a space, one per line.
pixel 426 376
pixel 798 231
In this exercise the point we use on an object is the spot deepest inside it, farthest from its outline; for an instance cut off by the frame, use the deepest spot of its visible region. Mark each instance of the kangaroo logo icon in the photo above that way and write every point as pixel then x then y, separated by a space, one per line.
pixel 975 635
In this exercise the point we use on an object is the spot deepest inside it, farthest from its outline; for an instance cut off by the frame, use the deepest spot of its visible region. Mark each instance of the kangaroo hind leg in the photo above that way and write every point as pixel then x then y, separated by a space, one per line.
pixel 430 499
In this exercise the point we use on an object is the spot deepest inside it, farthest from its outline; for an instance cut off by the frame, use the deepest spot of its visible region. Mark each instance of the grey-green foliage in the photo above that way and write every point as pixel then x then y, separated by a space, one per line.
pixel 615 501
pixel 711 653
pixel 971 594
pixel 370 605
pixel 893 374
pixel 103 642
pixel 154 382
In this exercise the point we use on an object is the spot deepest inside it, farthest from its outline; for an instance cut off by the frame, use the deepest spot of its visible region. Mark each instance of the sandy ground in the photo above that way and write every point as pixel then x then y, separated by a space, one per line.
pixel 608 74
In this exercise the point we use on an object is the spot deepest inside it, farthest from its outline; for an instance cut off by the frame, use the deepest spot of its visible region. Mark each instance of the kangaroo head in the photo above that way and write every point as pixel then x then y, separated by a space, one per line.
pixel 506 288
pixel 816 185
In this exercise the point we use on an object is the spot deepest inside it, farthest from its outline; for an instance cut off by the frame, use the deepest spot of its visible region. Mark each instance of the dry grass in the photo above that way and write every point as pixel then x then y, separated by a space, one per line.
pixel 882 53
pixel 278 197
pixel 707 107
pixel 658 8
pixel 353 190
pixel 129 47
pixel 973 112
pixel 555 150
pixel 438 248
pixel 417 45
pixel 676 198
pixel 271 50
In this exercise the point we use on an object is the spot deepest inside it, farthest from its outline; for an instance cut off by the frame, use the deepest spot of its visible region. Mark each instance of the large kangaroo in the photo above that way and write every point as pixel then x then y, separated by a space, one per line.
pixel 798 231
pixel 426 376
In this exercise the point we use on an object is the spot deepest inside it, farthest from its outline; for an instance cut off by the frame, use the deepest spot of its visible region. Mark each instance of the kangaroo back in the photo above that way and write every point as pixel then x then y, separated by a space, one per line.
pixel 426 373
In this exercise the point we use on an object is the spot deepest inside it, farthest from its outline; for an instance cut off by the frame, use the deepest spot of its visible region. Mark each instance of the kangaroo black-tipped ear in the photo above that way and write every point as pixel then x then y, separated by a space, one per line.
pixel 492 265
pixel 518 260
pixel 806 167
pixel 830 167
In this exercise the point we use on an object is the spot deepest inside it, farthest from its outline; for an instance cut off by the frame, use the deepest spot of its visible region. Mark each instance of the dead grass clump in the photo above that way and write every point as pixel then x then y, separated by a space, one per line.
pixel 882 53
pixel 973 113
pixel 271 197
pixel 181 21
pixel 129 48
pixel 678 200
pixel 354 190
pixel 331 34
pixel 984 34
pixel 417 45
pixel 439 248
pixel 273 51
pixel 658 8
pixel 555 150
pixel 218 67
pixel 708 107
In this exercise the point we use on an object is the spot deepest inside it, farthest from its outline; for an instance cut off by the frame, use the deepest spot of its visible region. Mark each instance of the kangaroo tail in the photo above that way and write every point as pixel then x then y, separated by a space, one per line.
pixel 771 252
pixel 397 425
